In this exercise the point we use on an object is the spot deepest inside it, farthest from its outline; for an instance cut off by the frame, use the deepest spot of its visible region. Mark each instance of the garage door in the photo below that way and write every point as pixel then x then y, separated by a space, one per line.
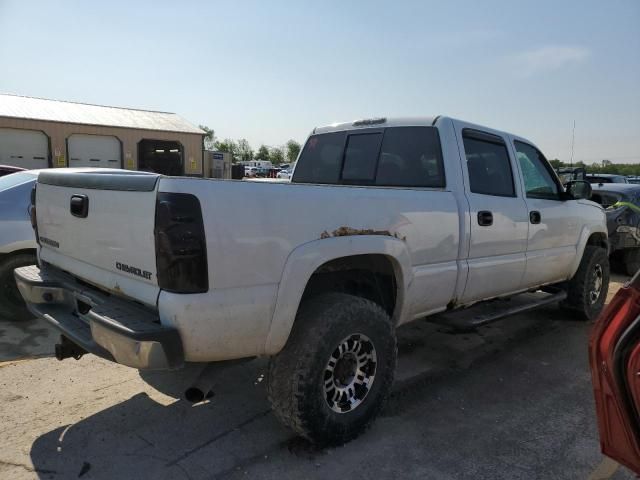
pixel 94 151
pixel 24 148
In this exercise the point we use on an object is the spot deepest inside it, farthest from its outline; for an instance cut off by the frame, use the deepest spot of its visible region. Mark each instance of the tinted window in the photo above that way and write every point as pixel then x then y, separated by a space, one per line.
pixel 488 165
pixel 600 179
pixel 538 181
pixel 410 157
pixel 321 159
pixel 360 158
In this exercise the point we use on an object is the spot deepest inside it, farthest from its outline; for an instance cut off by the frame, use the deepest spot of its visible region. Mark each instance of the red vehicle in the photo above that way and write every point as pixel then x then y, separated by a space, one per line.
pixel 614 356
pixel 7 169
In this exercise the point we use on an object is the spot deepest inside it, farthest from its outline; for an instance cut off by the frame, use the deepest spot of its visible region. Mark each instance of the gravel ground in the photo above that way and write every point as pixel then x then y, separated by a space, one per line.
pixel 511 400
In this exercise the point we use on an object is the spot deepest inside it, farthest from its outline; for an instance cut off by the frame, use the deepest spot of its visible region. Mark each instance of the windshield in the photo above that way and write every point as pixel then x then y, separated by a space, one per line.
pixel 14 179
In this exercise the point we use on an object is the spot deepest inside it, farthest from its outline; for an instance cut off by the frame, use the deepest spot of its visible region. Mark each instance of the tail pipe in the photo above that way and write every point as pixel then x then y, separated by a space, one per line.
pixel 67 349
pixel 202 388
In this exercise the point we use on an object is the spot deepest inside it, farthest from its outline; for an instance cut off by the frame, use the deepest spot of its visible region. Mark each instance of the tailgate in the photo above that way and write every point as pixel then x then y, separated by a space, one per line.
pixel 99 227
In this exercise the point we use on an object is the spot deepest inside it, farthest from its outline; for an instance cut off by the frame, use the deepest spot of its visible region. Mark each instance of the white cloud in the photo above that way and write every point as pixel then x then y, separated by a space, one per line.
pixel 546 59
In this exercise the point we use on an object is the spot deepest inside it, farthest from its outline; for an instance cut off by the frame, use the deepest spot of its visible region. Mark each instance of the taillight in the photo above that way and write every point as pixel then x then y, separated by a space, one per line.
pixel 181 247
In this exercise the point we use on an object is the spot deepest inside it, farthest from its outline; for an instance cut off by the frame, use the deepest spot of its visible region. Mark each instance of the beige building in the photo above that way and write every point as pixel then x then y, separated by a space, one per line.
pixel 39 133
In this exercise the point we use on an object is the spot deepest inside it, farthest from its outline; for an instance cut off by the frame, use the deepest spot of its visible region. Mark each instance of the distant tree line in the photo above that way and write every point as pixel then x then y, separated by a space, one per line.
pixel 605 166
pixel 242 152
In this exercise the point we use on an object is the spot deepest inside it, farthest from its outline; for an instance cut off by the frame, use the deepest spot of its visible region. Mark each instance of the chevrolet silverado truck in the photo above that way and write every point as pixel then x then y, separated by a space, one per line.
pixel 388 221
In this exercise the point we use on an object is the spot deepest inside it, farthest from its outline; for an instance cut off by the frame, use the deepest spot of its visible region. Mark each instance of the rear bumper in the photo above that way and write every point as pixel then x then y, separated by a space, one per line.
pixel 102 324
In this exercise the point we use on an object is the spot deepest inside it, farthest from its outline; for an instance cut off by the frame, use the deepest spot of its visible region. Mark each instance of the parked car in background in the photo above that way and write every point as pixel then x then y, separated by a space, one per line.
pixel 284 174
pixel 8 169
pixel 614 358
pixel 250 171
pixel 634 180
pixel 17 241
pixel 606 178
pixel 622 207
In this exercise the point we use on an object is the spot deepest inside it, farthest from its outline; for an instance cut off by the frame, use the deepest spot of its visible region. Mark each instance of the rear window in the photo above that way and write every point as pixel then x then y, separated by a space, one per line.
pixel 607 199
pixel 600 180
pixel 391 157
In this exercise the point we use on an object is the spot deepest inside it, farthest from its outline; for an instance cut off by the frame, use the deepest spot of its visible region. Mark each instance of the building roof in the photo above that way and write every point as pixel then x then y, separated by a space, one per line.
pixel 16 106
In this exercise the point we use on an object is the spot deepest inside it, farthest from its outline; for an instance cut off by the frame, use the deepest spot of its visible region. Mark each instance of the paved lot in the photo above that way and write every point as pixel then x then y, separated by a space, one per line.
pixel 512 400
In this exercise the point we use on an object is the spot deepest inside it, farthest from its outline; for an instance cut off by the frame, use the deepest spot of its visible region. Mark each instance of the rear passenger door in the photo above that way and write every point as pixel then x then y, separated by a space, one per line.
pixel 553 224
pixel 498 216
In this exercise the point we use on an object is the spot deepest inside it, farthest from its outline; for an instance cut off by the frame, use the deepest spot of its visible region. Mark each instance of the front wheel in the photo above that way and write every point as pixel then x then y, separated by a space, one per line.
pixel 587 290
pixel 12 305
pixel 335 373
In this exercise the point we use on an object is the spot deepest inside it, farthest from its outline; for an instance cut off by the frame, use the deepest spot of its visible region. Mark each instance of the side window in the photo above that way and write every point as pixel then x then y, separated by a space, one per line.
pixel 538 180
pixel 360 157
pixel 321 159
pixel 410 157
pixel 488 164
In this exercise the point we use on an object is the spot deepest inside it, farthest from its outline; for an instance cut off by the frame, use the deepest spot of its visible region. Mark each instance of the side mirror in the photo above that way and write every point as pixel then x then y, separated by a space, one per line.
pixel 579 189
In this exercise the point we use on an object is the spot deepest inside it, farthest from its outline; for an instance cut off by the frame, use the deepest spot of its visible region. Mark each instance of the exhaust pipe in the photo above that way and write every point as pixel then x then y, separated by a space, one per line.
pixel 202 388
pixel 67 349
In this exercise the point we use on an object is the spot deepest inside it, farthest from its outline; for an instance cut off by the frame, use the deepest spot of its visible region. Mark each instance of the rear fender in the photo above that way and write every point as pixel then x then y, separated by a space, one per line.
pixel 307 258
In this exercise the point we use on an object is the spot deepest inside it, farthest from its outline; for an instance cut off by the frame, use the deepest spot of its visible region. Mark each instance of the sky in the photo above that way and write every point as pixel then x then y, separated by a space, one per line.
pixel 271 71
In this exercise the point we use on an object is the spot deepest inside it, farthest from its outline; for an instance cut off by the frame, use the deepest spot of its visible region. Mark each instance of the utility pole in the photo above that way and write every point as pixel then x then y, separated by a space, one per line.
pixel 573 140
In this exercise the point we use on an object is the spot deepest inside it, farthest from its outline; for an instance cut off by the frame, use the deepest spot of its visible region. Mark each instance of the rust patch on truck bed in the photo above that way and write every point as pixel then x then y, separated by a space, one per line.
pixel 348 232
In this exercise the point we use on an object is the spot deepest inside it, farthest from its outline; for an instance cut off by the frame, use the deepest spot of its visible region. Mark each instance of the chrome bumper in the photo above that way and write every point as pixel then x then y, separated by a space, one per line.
pixel 110 327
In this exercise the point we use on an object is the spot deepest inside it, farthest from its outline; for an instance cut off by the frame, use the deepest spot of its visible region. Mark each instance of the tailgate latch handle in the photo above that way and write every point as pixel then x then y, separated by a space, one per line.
pixel 79 206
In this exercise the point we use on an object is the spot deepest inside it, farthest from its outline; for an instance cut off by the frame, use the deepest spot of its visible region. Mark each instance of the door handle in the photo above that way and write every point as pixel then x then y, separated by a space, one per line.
pixel 535 217
pixel 79 206
pixel 485 218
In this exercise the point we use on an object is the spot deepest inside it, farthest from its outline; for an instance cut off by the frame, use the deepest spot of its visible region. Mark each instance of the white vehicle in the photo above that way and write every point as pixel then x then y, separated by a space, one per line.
pixel 285 174
pixel 250 171
pixel 387 221
pixel 17 241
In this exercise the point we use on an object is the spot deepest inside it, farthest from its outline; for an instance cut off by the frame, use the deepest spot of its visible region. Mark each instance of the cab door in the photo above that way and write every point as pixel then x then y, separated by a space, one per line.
pixel 553 220
pixel 614 358
pixel 498 221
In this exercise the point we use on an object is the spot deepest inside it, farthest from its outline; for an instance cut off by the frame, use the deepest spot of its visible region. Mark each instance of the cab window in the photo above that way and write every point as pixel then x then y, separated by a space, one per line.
pixel 488 164
pixel 538 179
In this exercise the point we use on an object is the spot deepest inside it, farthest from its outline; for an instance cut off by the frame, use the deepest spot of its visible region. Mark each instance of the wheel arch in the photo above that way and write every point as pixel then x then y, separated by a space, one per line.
pixel 311 258
pixel 589 236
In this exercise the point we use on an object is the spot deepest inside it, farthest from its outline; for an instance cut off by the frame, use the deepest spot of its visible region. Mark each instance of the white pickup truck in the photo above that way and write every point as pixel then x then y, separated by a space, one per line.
pixel 387 221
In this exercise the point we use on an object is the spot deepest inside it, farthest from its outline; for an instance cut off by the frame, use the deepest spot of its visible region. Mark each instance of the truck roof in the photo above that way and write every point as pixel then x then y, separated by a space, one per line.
pixel 378 122
pixel 426 121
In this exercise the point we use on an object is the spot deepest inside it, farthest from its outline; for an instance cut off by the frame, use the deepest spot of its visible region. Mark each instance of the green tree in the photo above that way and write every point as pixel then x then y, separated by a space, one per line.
pixel 227 145
pixel 263 153
pixel 276 155
pixel 555 163
pixel 209 138
pixel 245 153
pixel 293 149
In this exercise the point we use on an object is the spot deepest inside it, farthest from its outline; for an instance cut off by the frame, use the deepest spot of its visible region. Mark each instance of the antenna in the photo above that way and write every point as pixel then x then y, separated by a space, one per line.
pixel 573 141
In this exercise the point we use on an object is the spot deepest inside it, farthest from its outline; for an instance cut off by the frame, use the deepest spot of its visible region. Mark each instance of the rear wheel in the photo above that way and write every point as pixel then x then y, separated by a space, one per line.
pixel 12 305
pixel 632 261
pixel 587 290
pixel 335 373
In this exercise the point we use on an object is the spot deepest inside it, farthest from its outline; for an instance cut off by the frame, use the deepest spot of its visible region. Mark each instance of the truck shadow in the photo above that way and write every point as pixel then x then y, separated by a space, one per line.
pixel 168 438
pixel 26 339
